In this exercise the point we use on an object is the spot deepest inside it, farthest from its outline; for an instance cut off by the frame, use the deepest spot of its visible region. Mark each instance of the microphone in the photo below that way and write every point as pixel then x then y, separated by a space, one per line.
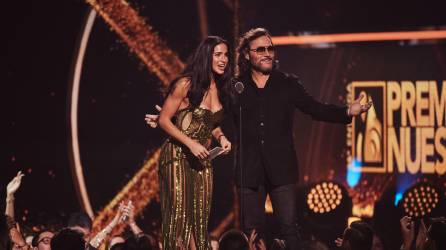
pixel 239 87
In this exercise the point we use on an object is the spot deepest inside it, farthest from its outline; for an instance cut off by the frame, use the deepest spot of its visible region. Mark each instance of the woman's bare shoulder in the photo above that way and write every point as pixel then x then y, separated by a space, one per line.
pixel 183 82
pixel 181 86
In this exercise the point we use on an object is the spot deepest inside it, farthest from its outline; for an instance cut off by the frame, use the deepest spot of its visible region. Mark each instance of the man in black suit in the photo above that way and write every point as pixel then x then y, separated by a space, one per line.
pixel 268 155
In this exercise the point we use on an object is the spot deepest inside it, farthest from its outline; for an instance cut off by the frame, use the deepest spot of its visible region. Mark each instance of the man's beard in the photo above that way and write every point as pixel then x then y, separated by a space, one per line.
pixel 265 71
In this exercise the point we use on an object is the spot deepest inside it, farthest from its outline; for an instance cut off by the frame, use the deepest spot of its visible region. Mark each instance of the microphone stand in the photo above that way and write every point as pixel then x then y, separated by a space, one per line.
pixel 239 87
pixel 241 165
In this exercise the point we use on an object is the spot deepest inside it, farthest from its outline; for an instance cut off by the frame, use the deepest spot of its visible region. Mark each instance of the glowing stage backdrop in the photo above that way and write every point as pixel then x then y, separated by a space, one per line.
pixel 133 47
pixel 401 140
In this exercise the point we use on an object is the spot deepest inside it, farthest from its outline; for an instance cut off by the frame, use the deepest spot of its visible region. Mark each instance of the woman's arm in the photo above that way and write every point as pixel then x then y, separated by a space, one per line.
pixel 170 107
pixel 123 211
pixel 12 187
pixel 15 234
pixel 132 224
pixel 221 138
pixel 217 133
pixel 9 211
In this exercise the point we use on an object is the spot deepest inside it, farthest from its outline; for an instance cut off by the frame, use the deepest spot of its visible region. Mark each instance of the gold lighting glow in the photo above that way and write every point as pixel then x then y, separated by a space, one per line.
pixel 359 37
pixel 140 38
pixel 324 197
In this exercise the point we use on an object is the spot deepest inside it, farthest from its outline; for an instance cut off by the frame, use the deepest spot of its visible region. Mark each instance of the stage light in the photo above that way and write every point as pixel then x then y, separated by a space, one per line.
pixel 324 197
pixel 324 208
pixel 420 200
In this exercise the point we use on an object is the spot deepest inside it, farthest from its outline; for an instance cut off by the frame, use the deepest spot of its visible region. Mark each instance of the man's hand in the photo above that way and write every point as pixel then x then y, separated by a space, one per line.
pixel 262 246
pixel 14 184
pixel 131 212
pixel 131 221
pixel 339 242
pixel 407 231
pixel 252 239
pixel 123 211
pixel 151 119
pixel 356 108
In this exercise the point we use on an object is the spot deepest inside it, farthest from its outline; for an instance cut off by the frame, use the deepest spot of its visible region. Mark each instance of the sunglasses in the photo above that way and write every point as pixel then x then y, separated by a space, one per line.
pixel 262 50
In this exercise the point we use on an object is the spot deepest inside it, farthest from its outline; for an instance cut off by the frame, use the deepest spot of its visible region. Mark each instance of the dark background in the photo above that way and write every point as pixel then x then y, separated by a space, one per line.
pixel 116 91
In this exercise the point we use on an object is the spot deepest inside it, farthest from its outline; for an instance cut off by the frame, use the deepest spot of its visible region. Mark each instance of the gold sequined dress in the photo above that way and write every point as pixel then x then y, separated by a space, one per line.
pixel 186 181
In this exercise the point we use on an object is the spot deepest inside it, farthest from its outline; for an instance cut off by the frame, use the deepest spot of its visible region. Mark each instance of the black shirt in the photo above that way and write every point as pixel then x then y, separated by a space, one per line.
pixel 267 123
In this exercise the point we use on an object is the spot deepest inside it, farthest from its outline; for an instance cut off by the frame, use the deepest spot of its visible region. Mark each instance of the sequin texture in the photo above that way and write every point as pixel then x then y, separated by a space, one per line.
pixel 186 182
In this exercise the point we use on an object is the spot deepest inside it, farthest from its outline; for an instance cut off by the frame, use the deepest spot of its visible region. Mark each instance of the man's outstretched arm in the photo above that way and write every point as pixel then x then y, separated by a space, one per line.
pixel 326 112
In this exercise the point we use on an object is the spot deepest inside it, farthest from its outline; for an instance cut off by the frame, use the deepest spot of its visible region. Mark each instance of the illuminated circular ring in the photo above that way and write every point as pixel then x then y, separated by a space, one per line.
pixel 73 97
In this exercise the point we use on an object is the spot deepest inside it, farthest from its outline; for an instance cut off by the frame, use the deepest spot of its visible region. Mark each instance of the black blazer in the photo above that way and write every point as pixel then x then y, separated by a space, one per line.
pixel 267 123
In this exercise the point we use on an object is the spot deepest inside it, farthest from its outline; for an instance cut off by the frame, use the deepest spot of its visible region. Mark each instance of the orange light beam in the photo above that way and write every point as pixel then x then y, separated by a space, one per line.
pixel 140 37
pixel 360 37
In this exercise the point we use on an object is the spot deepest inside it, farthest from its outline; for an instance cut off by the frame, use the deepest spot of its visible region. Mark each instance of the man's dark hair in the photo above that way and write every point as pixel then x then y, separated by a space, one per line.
pixel 139 242
pixel 118 246
pixel 36 237
pixel 233 240
pixel 68 239
pixel 359 235
pixel 79 219
pixel 243 65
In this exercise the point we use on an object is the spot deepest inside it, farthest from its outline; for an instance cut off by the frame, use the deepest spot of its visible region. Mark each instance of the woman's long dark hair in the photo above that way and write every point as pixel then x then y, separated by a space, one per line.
pixel 199 71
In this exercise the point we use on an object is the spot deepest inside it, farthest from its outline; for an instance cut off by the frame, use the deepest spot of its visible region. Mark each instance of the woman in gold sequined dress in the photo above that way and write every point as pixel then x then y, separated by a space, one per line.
pixel 191 115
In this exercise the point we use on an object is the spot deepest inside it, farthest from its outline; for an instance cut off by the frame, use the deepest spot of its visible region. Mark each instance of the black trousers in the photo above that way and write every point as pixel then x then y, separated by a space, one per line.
pixel 283 199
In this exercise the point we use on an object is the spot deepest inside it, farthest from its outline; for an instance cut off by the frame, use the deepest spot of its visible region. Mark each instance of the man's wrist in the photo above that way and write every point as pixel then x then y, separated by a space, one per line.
pixel 9 198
